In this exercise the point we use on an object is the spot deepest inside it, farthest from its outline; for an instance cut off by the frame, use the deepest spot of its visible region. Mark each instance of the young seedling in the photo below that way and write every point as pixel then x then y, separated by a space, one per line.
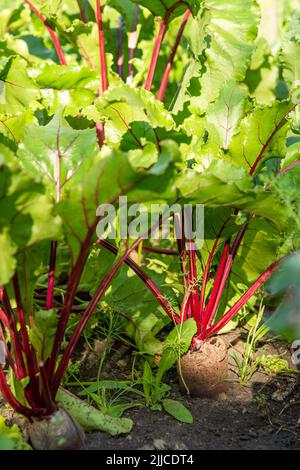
pixel 247 365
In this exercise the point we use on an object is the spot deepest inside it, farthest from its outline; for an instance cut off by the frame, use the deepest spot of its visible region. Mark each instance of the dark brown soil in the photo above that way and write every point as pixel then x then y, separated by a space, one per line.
pixel 263 415
pixel 217 425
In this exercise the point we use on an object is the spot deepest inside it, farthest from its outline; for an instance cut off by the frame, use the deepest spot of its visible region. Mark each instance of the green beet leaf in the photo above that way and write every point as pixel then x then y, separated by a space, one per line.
pixel 26 217
pixel 176 344
pixel 43 332
pixel 229 29
pixel 177 409
pixel 17 90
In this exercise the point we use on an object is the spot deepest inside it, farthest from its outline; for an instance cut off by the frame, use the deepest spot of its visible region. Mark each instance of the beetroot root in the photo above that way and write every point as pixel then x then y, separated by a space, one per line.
pixel 203 372
pixel 56 432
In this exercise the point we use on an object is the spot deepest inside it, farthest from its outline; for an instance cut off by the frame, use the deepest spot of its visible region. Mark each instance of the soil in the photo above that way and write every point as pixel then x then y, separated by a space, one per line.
pixel 265 414
pixel 217 425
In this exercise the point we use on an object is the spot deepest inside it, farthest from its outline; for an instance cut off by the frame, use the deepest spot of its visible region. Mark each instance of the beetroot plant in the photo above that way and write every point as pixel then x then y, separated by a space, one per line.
pixel 53 178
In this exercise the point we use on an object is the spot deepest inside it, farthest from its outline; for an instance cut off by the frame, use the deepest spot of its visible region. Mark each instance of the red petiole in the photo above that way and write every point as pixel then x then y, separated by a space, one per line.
pixel 51 32
pixel 160 36
pixel 166 75
pixel 103 69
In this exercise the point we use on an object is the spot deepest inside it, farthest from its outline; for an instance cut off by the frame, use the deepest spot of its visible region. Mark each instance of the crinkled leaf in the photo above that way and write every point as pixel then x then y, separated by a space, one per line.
pixel 64 77
pixel 183 95
pixel 224 184
pixel 66 87
pixel 56 152
pixel 143 157
pixel 17 90
pixel 257 252
pixel 122 105
pixel 13 126
pixel 255 130
pixel 231 28
pixel 26 216
pixel 109 177
pixel 290 62
pixel 220 184
pixel 225 114
pixel 11 437
pixel 291 50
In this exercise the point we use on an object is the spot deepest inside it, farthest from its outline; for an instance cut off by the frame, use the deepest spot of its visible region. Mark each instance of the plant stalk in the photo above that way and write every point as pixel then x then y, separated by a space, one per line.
pixel 132 44
pixel 159 39
pixel 12 327
pixel 14 403
pixel 165 79
pixel 147 280
pixel 51 32
pixel 240 303
pixel 29 353
pixel 92 307
pixel 103 69
pixel 120 49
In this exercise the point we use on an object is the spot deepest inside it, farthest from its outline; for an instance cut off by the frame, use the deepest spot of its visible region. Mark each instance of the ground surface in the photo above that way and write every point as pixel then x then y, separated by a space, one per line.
pixel 263 415
pixel 217 425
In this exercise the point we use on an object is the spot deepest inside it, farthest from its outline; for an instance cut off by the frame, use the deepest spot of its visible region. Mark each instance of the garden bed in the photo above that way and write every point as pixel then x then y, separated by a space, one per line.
pixel 236 424
pixel 264 414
